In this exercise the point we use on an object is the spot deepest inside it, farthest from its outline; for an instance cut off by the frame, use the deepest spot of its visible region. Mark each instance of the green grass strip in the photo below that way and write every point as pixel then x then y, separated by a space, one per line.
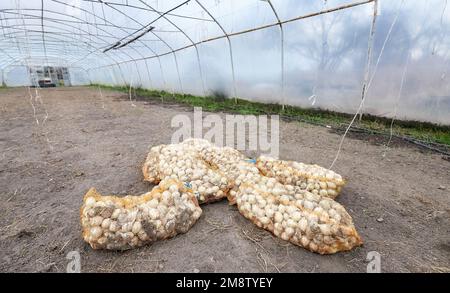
pixel 424 131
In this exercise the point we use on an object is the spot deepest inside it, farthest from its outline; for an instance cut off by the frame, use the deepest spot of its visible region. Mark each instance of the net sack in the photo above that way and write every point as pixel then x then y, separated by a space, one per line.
pixel 313 178
pixel 316 223
pixel 120 223
pixel 183 162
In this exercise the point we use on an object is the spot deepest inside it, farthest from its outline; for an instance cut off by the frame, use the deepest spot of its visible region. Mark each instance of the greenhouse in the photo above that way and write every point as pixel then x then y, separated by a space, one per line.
pixel 225 136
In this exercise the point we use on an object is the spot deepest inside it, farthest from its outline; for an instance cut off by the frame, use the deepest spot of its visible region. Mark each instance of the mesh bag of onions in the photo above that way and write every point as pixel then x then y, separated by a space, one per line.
pixel 185 162
pixel 314 222
pixel 313 178
pixel 119 223
pixel 310 220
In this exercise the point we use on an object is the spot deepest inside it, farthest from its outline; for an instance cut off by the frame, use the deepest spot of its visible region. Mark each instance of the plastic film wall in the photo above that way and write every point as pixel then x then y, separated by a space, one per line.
pixel 311 54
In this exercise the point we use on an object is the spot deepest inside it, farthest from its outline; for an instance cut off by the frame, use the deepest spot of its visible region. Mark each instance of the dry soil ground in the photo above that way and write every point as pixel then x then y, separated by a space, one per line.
pixel 400 202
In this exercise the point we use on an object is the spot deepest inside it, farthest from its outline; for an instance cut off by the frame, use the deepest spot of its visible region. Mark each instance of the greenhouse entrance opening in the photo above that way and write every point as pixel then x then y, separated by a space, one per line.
pixel 49 76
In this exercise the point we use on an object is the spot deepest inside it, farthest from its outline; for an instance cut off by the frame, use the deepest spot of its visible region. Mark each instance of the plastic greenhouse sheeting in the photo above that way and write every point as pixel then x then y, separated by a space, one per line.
pixel 328 54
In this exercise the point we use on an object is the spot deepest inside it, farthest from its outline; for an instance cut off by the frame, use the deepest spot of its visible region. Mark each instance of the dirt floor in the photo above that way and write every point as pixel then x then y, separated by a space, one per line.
pixel 400 202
